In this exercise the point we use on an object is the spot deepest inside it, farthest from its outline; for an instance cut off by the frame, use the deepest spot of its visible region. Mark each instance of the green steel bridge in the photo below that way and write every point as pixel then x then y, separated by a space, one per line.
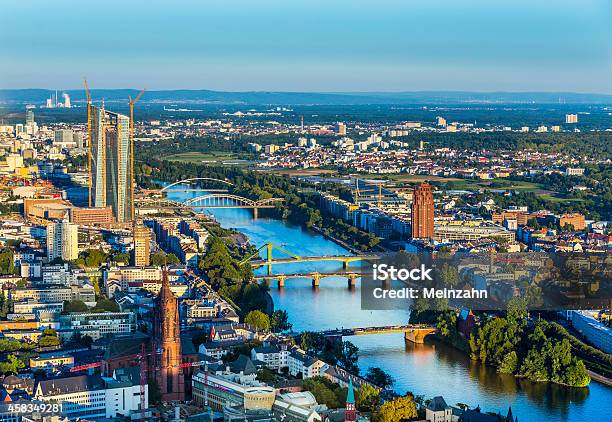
pixel 290 257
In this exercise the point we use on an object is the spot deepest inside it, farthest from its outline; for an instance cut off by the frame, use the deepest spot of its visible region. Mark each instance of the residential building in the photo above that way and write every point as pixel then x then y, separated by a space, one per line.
pixel 275 357
pixel 438 411
pixel 300 363
pixel 574 171
pixel 142 245
pixel 97 325
pixel 576 220
pixel 60 274
pixel 62 241
pixel 592 330
pixel 571 118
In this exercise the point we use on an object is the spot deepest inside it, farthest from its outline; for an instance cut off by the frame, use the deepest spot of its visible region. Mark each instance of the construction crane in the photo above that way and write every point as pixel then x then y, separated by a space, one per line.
pixel 133 180
pixel 142 362
pixel 88 96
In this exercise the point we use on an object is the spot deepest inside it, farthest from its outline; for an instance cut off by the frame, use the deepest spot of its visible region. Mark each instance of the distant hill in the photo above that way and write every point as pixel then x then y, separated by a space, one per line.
pixel 39 96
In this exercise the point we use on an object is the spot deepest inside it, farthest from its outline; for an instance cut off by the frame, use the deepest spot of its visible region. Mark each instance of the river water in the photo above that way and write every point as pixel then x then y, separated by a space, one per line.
pixel 429 369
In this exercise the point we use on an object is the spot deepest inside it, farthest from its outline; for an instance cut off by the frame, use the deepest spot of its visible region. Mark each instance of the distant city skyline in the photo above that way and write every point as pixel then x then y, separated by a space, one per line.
pixel 310 46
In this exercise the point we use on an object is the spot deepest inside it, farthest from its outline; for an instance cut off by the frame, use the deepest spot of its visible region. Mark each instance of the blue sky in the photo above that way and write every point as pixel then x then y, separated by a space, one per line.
pixel 314 45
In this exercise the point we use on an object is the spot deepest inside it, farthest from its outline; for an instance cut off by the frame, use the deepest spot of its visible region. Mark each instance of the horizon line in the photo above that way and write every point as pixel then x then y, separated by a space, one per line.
pixel 455 91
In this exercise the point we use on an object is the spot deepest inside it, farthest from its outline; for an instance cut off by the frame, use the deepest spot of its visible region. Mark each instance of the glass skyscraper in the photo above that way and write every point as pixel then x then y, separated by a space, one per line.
pixel 111 162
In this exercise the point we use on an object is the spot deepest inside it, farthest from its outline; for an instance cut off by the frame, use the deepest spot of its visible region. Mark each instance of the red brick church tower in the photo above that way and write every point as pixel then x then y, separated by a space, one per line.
pixel 168 339
pixel 350 411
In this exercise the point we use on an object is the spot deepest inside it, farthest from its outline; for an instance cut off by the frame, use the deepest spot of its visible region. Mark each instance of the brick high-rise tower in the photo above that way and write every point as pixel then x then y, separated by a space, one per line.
pixel 422 212
pixel 168 338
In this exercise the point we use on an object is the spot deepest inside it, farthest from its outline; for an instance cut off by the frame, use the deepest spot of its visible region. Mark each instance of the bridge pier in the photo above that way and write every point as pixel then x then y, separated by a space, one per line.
pixel 417 335
pixel 281 281
pixel 352 280
pixel 316 277
pixel 255 213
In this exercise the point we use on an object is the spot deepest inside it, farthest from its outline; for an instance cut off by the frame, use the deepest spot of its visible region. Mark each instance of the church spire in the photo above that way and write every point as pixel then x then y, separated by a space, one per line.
pixel 350 412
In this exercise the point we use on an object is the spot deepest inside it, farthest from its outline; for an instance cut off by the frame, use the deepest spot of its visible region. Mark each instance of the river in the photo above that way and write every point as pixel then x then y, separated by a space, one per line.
pixel 429 369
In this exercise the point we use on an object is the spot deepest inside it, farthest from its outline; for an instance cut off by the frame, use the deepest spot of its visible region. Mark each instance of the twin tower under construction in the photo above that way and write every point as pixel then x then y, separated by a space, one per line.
pixel 111 159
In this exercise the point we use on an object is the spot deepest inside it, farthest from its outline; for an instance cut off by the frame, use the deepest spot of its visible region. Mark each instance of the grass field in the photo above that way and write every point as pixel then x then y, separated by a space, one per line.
pixel 210 158
pixel 554 198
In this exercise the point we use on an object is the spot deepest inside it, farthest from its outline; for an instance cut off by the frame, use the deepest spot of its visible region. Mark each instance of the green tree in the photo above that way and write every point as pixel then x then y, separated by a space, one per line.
pixel 397 410
pixel 12 365
pixel 258 319
pixel 279 321
pixel 379 377
pixel 123 258
pixel 324 391
pixel 349 356
pixel 160 258
pixel 509 364
pixel 46 341
pixel 449 275
pixel 75 306
pixel 80 340
pixel 312 343
pixel 367 398
pixel 104 305
pixel 7 265
pixel 533 295
pixel 10 345
pixel 93 258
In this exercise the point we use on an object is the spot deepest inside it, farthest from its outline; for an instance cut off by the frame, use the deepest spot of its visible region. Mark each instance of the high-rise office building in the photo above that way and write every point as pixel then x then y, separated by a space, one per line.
pixel 29 117
pixel 341 129
pixel 422 212
pixel 142 240
pixel 111 172
pixel 62 241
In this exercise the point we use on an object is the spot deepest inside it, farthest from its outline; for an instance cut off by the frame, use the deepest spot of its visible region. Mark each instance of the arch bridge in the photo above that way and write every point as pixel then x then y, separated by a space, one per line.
pixel 227 200
pixel 194 179
pixel 414 333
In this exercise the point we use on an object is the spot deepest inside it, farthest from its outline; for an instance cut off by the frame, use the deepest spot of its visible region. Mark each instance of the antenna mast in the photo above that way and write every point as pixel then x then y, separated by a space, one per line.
pixel 89 181
pixel 133 178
